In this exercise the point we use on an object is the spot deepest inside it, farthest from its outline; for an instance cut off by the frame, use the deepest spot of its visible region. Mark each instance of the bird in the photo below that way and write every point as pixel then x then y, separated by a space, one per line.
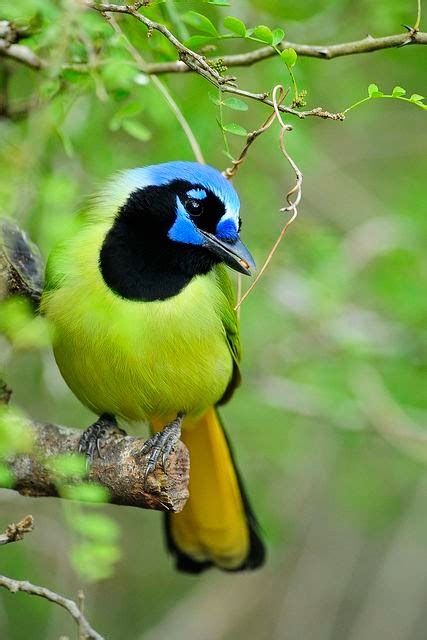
pixel 145 330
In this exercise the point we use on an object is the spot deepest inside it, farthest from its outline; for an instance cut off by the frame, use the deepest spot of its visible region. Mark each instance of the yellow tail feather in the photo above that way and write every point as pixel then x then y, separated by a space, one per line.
pixel 216 525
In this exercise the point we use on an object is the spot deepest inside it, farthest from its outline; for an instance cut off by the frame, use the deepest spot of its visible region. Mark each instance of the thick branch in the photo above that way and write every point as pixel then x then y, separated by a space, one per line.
pixel 21 53
pixel 9 47
pixel 26 587
pixel 325 52
pixel 21 265
pixel 120 470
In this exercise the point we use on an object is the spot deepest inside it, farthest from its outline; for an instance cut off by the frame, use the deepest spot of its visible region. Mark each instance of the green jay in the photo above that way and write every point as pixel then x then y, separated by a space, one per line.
pixel 145 330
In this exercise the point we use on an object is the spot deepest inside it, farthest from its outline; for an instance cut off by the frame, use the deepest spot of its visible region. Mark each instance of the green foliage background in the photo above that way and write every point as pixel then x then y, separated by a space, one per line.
pixel 328 426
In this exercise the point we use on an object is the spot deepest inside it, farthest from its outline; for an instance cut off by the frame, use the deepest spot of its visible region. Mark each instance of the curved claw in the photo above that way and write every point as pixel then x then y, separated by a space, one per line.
pixel 91 439
pixel 161 445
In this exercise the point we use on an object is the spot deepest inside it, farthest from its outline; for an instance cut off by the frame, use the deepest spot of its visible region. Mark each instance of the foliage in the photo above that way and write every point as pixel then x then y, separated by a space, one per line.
pixel 334 336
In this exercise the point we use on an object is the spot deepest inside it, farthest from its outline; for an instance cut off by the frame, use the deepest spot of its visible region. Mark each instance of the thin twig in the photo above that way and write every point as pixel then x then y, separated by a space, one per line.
pixel 230 172
pixel 69 605
pixel 15 532
pixel 292 201
pixel 418 20
pixel 324 52
pixel 194 60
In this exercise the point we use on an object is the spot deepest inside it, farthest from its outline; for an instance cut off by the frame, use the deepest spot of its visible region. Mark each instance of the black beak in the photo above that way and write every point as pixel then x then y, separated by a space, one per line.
pixel 234 254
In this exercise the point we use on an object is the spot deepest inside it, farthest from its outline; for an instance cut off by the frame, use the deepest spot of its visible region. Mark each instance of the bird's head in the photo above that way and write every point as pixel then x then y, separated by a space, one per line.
pixel 177 216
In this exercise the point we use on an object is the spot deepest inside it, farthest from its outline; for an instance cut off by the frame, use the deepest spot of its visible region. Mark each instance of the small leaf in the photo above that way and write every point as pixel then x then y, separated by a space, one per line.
pixel 85 492
pixel 200 22
pixel 398 92
pixel 214 99
pixel 235 103
pixel 197 42
pixel 96 526
pixel 136 130
pixel 278 35
pixel 262 33
pixel 416 97
pixel 219 3
pixel 6 477
pixel 68 465
pixel 127 110
pixel 235 26
pixel 372 89
pixel 289 57
pixel 235 129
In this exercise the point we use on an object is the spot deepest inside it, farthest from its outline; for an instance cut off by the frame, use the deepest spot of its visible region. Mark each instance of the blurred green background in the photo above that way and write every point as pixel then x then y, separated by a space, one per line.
pixel 329 425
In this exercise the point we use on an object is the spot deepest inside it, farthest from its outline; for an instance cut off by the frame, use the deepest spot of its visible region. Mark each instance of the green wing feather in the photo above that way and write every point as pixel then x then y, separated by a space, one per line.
pixel 230 323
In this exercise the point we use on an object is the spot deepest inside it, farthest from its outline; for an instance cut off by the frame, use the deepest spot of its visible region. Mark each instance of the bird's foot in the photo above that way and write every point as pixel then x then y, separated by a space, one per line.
pixel 91 439
pixel 161 444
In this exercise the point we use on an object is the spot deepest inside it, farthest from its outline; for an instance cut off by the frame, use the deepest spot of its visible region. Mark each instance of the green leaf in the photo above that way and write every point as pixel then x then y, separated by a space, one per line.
pixel 235 26
pixel 235 103
pixel 373 88
pixel 127 110
pixel 262 33
pixel 97 526
pixel 197 42
pixel 200 22
pixel 6 477
pixel 213 98
pixel 219 3
pixel 289 57
pixel 95 561
pixel 68 465
pixel 15 435
pixel 398 92
pixel 416 97
pixel 86 492
pixel 278 35
pixel 136 130
pixel 49 88
pixel 235 129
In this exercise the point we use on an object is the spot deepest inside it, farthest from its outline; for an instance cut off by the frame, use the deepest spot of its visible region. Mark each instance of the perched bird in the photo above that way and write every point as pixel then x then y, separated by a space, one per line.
pixel 145 330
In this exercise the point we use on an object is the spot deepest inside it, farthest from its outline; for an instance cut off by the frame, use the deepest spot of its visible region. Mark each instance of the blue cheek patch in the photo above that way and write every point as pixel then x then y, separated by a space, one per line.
pixel 183 229
pixel 227 230
pixel 197 194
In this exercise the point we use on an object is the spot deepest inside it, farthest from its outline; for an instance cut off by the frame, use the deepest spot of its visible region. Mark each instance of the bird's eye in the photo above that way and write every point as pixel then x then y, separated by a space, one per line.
pixel 194 207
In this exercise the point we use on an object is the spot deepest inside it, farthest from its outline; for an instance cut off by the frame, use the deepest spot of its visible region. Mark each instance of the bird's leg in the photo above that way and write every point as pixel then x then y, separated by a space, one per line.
pixel 161 444
pixel 92 436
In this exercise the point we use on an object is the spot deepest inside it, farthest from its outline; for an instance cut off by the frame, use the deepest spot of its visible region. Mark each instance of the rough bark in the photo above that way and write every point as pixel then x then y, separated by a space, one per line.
pixel 120 470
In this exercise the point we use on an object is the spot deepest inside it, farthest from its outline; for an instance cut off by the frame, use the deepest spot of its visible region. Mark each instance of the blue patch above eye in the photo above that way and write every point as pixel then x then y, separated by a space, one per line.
pixel 227 230
pixel 183 229
pixel 197 194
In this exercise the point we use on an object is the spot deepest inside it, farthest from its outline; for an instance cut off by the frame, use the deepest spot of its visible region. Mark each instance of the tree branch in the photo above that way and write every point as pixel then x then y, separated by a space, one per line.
pixel 324 52
pixel 9 47
pixel 15 532
pixel 120 470
pixel 69 605
pixel 193 60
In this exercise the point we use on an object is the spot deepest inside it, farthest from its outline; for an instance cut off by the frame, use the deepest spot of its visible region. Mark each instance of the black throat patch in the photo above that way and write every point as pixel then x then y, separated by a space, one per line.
pixel 138 260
